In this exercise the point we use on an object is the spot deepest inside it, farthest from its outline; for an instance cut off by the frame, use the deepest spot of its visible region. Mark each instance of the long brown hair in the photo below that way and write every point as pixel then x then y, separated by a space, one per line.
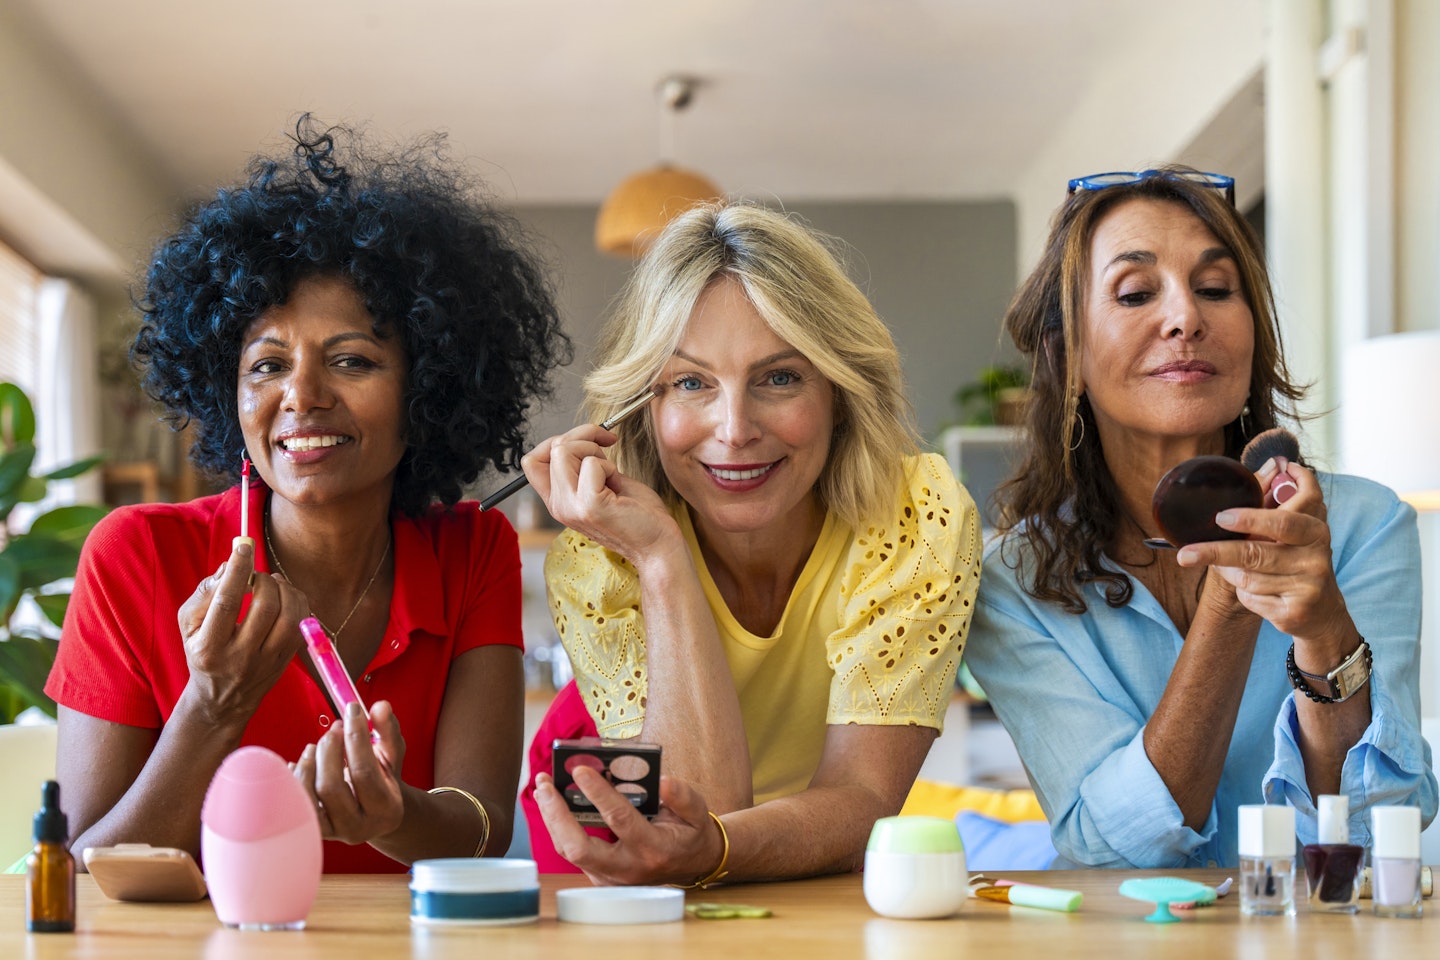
pixel 1061 501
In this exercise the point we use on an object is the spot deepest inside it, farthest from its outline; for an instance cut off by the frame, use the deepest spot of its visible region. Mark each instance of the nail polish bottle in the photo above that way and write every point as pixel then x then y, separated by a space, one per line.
pixel 1267 860
pixel 1333 865
pixel 1395 861
pixel 50 869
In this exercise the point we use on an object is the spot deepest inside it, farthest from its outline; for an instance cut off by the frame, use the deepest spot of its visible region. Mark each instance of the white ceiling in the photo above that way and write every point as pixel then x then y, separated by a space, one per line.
pixel 555 99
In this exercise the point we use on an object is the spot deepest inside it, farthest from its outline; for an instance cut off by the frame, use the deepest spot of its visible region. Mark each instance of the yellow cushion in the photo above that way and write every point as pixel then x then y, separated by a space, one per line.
pixel 930 799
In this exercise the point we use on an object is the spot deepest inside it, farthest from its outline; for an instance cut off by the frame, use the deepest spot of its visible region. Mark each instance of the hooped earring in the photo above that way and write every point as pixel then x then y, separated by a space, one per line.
pixel 1244 412
pixel 1079 439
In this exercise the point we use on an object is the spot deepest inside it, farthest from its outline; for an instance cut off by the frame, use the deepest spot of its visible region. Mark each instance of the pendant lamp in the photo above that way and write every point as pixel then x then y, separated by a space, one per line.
pixel 638 209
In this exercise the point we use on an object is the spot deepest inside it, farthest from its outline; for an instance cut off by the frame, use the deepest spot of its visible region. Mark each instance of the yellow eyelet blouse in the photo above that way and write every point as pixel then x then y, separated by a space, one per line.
pixel 872 633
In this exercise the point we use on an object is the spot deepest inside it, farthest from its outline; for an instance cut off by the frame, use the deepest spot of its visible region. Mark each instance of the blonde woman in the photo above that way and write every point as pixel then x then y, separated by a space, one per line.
pixel 761 573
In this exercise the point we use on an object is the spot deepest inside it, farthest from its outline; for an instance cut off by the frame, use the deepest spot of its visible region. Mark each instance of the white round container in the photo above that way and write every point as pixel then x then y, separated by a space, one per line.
pixel 620 905
pixel 474 892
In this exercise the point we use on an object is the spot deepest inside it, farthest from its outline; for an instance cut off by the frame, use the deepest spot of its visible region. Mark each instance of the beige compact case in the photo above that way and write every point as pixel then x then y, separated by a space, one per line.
pixel 140 872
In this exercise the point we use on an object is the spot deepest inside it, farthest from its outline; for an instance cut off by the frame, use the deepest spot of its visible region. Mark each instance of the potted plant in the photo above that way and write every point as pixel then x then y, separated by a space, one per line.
pixel 36 563
pixel 995 396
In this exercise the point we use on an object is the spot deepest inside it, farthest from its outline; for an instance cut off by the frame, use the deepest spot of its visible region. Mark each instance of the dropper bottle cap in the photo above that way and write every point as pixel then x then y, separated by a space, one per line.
pixel 1333 818
pixel 51 825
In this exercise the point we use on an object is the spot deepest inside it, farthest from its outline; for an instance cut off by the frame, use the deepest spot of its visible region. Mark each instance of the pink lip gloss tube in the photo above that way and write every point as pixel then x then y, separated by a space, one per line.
pixel 332 671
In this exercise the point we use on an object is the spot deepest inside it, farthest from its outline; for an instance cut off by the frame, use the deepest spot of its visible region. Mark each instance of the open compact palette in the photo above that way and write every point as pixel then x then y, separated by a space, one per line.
pixel 633 768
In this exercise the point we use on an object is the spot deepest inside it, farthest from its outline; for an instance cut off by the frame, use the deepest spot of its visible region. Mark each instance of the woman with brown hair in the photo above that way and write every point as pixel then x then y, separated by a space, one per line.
pixel 1147 690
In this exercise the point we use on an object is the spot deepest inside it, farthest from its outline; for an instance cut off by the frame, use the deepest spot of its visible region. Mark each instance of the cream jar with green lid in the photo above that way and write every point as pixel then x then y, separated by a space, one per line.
pixel 915 868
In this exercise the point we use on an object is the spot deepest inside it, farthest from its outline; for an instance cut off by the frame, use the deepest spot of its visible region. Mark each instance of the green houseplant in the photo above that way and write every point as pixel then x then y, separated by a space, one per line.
pixel 33 563
pixel 993 396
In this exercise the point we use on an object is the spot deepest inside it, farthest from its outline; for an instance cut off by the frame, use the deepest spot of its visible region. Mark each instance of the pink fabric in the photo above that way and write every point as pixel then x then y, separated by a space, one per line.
pixel 566 719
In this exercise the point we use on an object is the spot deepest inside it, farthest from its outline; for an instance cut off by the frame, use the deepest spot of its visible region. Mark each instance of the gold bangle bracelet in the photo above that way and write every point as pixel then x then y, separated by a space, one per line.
pixel 480 809
pixel 719 873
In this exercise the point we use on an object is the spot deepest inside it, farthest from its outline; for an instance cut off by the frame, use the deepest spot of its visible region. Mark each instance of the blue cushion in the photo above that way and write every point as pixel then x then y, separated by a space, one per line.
pixel 992 844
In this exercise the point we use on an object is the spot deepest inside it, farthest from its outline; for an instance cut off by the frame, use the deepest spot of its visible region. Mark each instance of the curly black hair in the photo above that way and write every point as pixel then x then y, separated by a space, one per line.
pixel 447 273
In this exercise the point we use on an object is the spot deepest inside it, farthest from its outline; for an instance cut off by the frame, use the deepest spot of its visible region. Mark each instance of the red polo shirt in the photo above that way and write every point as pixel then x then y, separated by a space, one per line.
pixel 457 587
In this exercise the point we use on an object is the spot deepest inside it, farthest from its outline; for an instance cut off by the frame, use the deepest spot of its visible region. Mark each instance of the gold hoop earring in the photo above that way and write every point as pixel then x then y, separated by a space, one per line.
pixel 1080 439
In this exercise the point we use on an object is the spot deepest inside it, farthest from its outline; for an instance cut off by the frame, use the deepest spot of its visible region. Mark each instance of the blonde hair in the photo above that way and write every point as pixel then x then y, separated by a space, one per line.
pixel 800 289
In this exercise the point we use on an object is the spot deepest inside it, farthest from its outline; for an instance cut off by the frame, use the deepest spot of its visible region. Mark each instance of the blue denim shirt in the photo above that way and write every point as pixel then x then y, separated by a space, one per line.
pixel 1075 693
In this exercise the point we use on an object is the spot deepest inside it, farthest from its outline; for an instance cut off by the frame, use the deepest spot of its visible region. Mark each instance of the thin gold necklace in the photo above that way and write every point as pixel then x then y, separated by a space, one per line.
pixel 334 634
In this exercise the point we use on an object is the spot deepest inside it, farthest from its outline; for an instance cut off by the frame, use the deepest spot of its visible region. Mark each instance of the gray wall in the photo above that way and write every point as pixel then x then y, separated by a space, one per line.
pixel 939 273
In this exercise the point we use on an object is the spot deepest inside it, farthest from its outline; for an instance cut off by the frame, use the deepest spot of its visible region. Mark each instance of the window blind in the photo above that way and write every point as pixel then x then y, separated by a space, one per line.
pixel 19 335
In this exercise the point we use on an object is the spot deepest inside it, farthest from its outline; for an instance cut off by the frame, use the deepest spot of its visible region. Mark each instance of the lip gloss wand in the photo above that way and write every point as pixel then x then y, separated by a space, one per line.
pixel 244 506
pixel 332 672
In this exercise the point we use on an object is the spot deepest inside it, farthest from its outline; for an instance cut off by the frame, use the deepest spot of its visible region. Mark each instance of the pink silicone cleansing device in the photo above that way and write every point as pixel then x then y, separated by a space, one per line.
pixel 260 843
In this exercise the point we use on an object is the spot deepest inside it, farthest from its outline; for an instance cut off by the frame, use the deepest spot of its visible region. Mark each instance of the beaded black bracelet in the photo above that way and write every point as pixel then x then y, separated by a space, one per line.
pixel 1298 676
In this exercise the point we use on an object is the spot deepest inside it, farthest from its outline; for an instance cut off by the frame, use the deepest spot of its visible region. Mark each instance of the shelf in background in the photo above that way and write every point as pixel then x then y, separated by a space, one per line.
pixel 981 458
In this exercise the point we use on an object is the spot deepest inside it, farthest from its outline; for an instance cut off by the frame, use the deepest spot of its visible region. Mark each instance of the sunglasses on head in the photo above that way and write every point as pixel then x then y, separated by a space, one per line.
pixel 1099 181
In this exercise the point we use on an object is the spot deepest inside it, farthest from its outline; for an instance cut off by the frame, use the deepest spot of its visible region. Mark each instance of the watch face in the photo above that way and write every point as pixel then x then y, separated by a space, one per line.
pixel 1351 675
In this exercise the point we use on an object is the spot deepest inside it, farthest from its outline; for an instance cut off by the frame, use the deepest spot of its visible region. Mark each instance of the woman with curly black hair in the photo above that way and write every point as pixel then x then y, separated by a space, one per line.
pixel 370 338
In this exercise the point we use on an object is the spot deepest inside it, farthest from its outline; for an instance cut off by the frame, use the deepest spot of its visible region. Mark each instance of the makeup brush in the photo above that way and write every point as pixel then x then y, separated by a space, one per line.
pixel 520 482
pixel 1281 445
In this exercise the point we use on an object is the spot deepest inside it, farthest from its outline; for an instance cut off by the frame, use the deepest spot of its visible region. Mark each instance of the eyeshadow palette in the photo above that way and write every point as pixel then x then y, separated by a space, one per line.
pixel 633 768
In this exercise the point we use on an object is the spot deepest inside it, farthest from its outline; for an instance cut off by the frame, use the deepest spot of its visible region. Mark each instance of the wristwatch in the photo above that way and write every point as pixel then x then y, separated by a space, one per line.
pixel 1339 684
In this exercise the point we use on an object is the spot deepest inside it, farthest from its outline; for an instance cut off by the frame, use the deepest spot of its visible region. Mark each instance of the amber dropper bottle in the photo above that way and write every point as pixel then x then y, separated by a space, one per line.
pixel 50 869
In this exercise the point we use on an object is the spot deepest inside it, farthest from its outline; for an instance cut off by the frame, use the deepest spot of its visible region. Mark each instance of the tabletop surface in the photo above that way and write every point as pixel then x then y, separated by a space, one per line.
pixel 368 917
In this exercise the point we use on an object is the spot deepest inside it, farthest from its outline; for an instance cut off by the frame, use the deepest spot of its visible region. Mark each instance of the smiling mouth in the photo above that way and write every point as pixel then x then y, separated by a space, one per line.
pixel 751 474
pixel 297 444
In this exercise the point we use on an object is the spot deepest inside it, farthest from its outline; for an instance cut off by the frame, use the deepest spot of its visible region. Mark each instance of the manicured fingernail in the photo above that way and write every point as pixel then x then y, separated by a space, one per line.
pixel 1185 556
pixel 1224 518
pixel 1267 466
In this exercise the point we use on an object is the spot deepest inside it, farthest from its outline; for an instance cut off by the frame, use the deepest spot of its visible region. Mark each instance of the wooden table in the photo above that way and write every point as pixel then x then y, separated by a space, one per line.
pixel 367 918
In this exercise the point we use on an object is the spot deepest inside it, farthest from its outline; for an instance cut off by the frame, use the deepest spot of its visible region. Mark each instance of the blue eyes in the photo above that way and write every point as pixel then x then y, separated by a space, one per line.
pixel 776 378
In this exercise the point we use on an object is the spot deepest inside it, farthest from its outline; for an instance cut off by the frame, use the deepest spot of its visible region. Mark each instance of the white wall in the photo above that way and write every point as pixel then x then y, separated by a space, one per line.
pixel 1146 108
pixel 1417 164
pixel 1417 262
pixel 1354 207
pixel 78 195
